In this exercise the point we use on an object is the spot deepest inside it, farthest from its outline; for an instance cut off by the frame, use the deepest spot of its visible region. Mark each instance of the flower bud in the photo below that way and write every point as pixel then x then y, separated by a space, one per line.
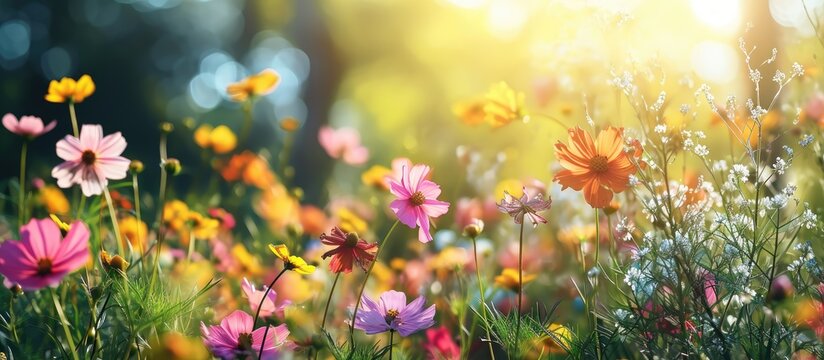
pixel 289 124
pixel 782 288
pixel 474 228
pixel 166 127
pixel 136 167
pixel 172 166
pixel 16 289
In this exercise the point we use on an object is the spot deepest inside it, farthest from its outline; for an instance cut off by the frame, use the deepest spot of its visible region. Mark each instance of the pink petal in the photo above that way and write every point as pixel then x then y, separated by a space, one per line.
pixel 41 237
pixel 429 189
pixel 69 149
pixel 236 323
pixel 329 141
pixel 91 184
pixel 404 212
pixel 10 122
pixel 112 145
pixel 356 156
pixel 64 173
pixel 435 208
pixel 30 125
pixel 50 126
pixel 418 173
pixel 90 136
pixel 73 252
pixel 114 168
pixel 423 233
pixel 398 190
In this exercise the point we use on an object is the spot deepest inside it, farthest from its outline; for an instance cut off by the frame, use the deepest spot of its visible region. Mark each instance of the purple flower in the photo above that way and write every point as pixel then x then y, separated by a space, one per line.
pixel 391 313
pixel 518 208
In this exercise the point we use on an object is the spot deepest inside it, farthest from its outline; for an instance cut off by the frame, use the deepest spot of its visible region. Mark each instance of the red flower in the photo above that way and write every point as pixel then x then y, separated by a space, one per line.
pixel 440 344
pixel 349 248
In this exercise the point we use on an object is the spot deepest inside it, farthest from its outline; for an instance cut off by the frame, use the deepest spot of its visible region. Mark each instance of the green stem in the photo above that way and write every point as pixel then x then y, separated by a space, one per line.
pixel 13 319
pixel 366 280
pixel 257 313
pixel 74 119
pixel 21 211
pixel 161 228
pixel 483 298
pixel 115 226
pixel 247 121
pixel 594 288
pixel 329 301
pixel 65 323
pixel 391 342
pixel 520 279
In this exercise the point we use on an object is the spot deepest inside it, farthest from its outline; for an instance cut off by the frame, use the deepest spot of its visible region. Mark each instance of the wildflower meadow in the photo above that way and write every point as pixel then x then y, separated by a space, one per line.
pixel 437 179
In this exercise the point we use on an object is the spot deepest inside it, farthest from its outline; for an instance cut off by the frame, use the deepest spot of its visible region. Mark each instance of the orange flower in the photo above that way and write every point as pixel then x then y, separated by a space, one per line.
pixel 599 168
pixel 250 168
pixel 261 83
pixel 470 112
pixel 69 90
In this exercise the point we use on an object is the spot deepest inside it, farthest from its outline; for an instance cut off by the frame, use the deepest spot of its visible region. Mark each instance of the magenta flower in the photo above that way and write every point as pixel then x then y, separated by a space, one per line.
pixel 344 144
pixel 91 160
pixel 29 126
pixel 417 200
pixel 234 338
pixel 270 305
pixel 391 313
pixel 43 256
pixel 525 207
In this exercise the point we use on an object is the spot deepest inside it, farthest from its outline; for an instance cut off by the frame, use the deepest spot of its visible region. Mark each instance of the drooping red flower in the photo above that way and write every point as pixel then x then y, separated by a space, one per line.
pixel 349 249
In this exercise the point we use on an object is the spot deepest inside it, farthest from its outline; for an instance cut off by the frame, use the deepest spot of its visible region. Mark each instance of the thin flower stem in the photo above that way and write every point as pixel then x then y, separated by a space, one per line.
pixel 366 280
pixel 65 323
pixel 247 121
pixel 191 249
pixel 13 319
pixel 483 298
pixel 329 301
pixel 520 279
pixel 115 226
pixel 161 228
pixel 257 313
pixel 21 209
pixel 74 119
pixel 391 342
pixel 136 189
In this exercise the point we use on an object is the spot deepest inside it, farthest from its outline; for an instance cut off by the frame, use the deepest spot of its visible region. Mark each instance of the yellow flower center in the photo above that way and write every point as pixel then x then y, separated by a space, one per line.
pixel 417 198
pixel 599 164
pixel 88 157
pixel 44 267
pixel 391 315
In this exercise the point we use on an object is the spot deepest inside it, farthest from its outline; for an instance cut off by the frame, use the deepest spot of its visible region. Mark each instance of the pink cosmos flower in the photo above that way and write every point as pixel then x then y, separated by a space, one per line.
pixel 43 256
pixel 392 313
pixel 91 160
pixel 525 207
pixel 441 345
pixel 234 338
pixel 270 305
pixel 343 143
pixel 417 200
pixel 28 126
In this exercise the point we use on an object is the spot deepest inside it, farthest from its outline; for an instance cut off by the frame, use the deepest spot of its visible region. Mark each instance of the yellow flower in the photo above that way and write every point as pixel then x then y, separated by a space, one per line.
pixel 292 262
pixel 278 207
pixel 203 227
pixel 172 345
pixel 254 85
pixel 504 105
pixel 248 264
pixel 559 340
pixel 175 215
pixel 133 231
pixel 289 124
pixel 376 177
pixel 350 222
pixel 220 139
pixel 470 112
pixel 53 200
pixel 509 279
pixel 67 89
pixel 64 227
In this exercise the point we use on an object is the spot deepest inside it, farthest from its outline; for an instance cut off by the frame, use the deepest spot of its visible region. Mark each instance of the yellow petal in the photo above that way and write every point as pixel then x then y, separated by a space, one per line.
pixel 202 135
pixel 264 82
pixel 281 251
pixel 85 88
pixel 223 140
